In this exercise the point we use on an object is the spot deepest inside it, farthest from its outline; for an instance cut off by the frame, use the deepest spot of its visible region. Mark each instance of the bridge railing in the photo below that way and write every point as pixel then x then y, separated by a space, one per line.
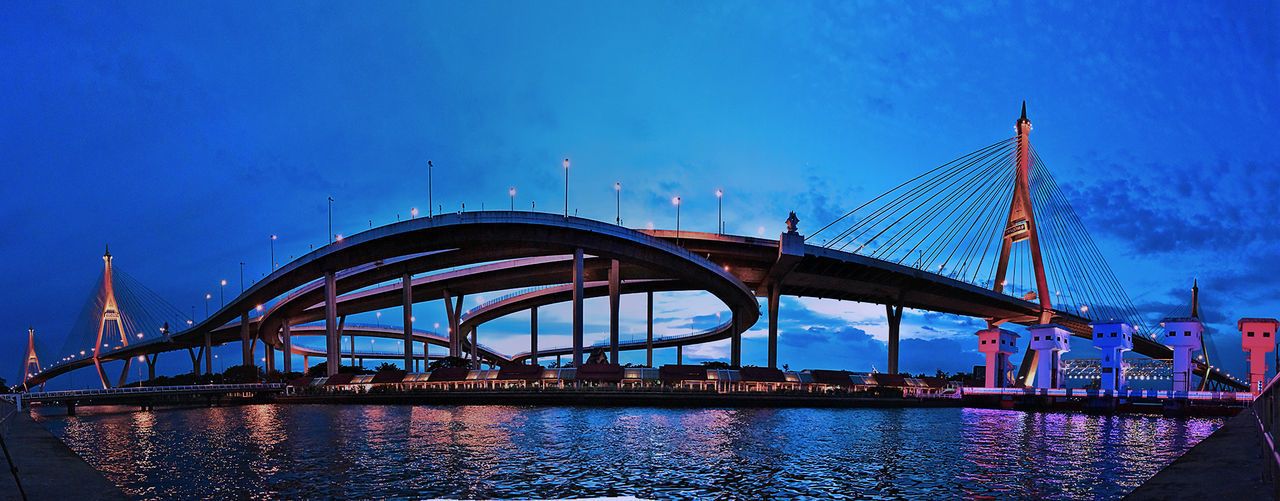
pixel 1266 409
pixel 143 390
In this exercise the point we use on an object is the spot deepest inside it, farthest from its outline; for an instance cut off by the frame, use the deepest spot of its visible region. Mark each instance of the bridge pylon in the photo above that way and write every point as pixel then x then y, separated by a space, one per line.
pixel 1020 226
pixel 31 362
pixel 110 313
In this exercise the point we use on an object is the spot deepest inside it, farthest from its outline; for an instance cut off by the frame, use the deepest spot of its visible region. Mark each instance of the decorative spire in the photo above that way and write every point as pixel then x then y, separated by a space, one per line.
pixel 1195 298
pixel 1024 110
pixel 107 254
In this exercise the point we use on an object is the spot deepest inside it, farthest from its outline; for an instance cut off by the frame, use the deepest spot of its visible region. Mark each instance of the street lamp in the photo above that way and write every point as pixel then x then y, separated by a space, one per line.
pixel 413 213
pixel 719 212
pixel 221 302
pixel 273 253
pixel 430 201
pixel 206 304
pixel 242 277
pixel 330 219
pixel 676 201
pixel 512 192
pixel 566 187
pixel 617 202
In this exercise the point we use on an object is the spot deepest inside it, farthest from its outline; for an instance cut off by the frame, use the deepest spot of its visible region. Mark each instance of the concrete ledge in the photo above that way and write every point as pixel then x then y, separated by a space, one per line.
pixel 1225 465
pixel 47 467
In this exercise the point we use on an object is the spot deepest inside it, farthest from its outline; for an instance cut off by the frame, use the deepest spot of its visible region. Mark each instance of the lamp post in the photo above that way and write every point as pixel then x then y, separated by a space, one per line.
pixel 566 187
pixel 676 201
pixel 206 304
pixel 719 212
pixel 273 253
pixel 617 202
pixel 221 301
pixel 430 201
pixel 242 277
pixel 330 219
pixel 413 213
pixel 512 192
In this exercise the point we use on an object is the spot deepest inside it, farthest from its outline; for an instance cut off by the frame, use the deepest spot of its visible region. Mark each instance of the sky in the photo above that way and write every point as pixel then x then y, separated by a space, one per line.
pixel 184 135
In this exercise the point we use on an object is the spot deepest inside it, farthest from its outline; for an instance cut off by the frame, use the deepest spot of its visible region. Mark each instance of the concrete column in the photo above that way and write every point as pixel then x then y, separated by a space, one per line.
pixel 151 365
pixel 246 344
pixel 306 363
pixel 208 353
pixel 894 316
pixel 332 342
pixel 195 359
pixel 577 307
pixel 679 354
pixel 774 298
pixel 475 361
pixel 288 347
pixel 406 287
pixel 648 343
pixel 352 341
pixel 453 312
pixel 615 289
pixel 269 353
pixel 533 336
pixel 735 341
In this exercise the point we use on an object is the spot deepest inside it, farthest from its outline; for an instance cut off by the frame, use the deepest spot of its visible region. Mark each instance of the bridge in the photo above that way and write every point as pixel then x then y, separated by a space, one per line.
pixel 989 235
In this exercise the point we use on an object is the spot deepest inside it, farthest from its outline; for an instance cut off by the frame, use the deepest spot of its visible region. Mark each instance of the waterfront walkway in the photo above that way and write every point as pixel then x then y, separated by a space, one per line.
pixel 47 467
pixel 1226 465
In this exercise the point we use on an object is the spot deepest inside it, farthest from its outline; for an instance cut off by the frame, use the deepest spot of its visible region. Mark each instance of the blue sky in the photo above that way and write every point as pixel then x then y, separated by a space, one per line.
pixel 184 134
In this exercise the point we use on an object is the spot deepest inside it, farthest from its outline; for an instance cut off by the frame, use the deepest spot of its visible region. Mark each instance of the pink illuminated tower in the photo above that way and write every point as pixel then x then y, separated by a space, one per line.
pixel 1258 337
pixel 998 344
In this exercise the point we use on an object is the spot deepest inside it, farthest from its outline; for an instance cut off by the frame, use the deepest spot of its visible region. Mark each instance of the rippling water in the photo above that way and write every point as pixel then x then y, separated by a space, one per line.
pixel 372 451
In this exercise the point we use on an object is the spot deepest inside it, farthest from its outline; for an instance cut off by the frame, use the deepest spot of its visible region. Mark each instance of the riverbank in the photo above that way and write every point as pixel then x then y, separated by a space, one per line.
pixel 1225 465
pixel 616 399
pixel 47 468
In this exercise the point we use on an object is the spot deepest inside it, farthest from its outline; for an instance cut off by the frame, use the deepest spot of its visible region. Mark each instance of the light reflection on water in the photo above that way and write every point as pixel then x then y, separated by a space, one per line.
pixel 310 451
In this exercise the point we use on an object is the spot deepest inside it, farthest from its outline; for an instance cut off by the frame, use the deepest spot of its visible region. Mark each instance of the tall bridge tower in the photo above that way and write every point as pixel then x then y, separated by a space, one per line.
pixel 1021 223
pixel 31 362
pixel 110 313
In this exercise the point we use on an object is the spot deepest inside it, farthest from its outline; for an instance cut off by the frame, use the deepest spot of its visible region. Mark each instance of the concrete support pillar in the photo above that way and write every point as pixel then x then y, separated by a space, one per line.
pixel 406 287
pixel 246 342
pixel 288 346
pixel 208 353
pixel 774 298
pixel 351 340
pixel 453 312
pixel 894 316
pixel 332 341
pixel 735 341
pixel 533 336
pixel 615 289
pixel 679 354
pixel 151 365
pixel 475 360
pixel 577 307
pixel 648 343
pixel 195 359
pixel 306 363
pixel 269 353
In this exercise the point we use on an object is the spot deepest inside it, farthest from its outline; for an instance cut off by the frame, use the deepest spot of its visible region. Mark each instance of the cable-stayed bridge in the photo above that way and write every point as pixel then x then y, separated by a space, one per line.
pixel 989 235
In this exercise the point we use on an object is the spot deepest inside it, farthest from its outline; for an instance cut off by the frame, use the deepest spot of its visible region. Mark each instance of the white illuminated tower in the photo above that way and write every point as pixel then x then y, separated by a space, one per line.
pixel 1113 339
pixel 998 344
pixel 1049 341
pixel 1258 337
pixel 1184 335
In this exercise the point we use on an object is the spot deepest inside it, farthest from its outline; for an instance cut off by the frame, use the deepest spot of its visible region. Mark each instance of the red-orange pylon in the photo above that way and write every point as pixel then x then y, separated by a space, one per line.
pixel 110 313
pixel 1021 224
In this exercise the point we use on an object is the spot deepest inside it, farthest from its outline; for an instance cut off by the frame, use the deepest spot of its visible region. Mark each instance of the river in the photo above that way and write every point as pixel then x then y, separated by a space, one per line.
pixel 415 452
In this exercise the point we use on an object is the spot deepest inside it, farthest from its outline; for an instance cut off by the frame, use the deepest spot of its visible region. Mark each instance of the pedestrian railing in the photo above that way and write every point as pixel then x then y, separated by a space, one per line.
pixel 1266 409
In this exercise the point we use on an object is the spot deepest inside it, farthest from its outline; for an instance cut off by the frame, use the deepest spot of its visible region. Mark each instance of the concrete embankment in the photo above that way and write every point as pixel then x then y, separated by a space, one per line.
pixel 47 468
pixel 608 398
pixel 1228 464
